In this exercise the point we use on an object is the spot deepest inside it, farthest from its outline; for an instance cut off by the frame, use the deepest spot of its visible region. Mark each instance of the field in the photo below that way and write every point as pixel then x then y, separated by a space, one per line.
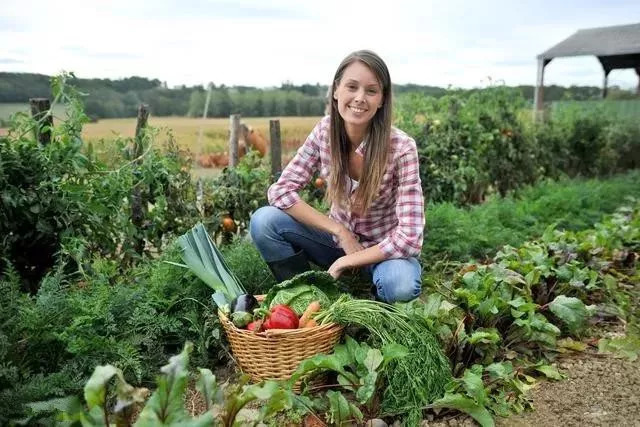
pixel 186 130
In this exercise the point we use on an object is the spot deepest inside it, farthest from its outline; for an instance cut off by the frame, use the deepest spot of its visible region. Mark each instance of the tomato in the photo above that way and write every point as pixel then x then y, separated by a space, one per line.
pixel 228 224
pixel 319 183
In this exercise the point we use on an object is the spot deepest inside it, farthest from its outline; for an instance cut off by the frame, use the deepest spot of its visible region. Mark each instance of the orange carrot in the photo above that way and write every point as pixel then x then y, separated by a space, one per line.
pixel 311 324
pixel 313 307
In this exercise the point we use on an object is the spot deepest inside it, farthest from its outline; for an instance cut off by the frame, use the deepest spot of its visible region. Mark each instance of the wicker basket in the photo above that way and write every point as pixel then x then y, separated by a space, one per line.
pixel 276 353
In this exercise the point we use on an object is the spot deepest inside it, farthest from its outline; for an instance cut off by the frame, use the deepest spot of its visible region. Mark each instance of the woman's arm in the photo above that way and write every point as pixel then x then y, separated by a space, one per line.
pixel 371 255
pixel 305 214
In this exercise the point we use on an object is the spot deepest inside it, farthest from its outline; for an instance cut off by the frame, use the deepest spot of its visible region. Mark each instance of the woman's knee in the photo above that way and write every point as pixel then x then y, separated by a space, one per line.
pixel 263 221
pixel 398 281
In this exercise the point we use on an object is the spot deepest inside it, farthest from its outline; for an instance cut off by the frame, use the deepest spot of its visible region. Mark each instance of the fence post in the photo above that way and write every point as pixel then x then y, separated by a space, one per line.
pixel 138 202
pixel 233 139
pixel 40 112
pixel 276 148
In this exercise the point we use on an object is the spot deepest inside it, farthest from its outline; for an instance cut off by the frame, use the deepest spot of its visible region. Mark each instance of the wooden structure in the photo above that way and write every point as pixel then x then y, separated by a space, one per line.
pixel 616 47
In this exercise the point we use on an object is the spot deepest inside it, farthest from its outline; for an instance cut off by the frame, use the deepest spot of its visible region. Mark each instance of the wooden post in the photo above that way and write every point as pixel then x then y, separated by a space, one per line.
pixel 204 117
pixel 233 139
pixel 40 112
pixel 605 84
pixel 138 201
pixel 200 197
pixel 143 116
pixel 538 94
pixel 276 148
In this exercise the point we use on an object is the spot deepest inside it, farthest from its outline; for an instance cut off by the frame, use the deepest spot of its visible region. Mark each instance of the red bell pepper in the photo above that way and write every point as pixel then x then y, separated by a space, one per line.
pixel 281 317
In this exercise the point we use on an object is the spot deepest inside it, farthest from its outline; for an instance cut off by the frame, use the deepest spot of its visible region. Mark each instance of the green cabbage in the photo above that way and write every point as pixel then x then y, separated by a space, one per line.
pixel 299 291
pixel 299 297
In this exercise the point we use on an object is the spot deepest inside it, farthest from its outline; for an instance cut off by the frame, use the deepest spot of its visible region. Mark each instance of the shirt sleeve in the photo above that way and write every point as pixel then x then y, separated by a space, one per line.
pixel 284 193
pixel 406 239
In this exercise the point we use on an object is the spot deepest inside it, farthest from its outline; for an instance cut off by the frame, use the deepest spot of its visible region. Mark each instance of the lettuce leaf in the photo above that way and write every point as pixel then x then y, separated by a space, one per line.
pixel 299 291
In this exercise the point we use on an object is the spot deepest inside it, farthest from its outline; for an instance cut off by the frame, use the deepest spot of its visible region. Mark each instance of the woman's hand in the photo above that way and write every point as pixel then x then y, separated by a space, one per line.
pixel 338 267
pixel 348 242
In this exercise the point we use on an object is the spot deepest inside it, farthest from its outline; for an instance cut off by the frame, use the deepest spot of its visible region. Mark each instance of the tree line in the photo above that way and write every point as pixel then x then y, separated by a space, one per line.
pixel 108 98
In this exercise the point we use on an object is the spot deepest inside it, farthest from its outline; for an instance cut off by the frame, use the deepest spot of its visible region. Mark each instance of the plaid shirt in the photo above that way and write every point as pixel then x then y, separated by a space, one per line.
pixel 395 220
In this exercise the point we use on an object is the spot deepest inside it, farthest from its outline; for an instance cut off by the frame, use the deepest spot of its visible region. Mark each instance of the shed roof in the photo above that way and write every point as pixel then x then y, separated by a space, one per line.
pixel 619 40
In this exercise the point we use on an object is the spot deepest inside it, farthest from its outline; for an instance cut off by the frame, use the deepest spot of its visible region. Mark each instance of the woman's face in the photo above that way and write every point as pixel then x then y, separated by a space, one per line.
pixel 358 95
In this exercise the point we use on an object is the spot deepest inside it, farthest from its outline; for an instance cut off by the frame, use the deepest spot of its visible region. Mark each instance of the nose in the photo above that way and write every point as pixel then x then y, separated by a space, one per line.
pixel 360 95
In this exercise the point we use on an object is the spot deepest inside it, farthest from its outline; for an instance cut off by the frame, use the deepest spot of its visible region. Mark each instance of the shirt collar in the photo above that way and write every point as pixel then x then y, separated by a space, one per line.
pixel 361 147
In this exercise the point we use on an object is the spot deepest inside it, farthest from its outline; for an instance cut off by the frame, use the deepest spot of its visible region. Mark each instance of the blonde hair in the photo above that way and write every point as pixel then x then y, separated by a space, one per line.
pixel 378 137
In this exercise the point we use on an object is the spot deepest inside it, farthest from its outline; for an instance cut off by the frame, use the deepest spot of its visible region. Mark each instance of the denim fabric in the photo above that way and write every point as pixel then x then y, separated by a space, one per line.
pixel 279 236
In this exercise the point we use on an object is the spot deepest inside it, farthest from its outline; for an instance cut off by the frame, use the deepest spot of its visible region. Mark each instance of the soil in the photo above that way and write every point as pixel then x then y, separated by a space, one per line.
pixel 600 390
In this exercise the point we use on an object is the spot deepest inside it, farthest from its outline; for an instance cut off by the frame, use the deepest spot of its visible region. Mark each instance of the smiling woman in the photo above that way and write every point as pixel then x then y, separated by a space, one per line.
pixel 377 208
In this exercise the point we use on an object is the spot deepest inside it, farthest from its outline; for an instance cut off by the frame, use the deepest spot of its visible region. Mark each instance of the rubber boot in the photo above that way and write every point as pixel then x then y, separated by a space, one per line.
pixel 285 269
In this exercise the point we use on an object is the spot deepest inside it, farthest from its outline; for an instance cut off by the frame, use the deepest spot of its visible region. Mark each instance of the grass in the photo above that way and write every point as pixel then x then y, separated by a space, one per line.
pixel 462 234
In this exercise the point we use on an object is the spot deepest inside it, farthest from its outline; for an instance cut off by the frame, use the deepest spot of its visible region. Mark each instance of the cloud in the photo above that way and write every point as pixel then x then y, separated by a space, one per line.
pixel 251 42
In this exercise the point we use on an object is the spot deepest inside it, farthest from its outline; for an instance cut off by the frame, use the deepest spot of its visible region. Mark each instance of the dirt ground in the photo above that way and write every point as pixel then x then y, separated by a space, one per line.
pixel 598 391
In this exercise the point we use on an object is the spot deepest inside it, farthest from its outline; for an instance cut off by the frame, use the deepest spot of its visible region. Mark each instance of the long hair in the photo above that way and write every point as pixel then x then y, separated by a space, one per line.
pixel 378 138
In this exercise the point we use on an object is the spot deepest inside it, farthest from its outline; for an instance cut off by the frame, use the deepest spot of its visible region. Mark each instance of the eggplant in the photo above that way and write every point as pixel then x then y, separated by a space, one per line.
pixel 244 303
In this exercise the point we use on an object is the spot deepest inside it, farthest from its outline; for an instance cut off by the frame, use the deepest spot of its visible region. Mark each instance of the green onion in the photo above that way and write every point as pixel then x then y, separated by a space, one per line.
pixel 413 381
pixel 203 258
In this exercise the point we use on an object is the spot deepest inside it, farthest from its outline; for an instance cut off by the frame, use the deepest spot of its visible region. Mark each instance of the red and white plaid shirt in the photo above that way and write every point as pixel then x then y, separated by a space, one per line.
pixel 395 220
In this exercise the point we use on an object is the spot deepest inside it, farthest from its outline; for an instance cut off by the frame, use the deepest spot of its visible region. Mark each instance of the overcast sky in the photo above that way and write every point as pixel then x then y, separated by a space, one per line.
pixel 264 43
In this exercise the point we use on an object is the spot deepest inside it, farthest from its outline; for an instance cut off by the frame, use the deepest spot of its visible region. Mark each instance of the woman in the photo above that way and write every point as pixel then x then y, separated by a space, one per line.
pixel 376 220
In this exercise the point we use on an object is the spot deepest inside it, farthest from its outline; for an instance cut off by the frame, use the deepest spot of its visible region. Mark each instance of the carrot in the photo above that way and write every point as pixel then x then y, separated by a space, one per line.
pixel 313 307
pixel 311 324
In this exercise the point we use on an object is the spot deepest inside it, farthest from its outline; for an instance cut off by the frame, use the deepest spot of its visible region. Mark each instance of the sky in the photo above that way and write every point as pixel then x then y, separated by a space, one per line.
pixel 264 43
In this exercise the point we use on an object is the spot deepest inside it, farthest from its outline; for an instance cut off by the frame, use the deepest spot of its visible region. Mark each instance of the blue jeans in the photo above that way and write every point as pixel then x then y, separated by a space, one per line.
pixel 279 236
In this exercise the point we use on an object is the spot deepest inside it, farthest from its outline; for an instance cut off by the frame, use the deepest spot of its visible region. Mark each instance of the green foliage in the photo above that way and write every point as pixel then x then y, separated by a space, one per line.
pixel 237 193
pixel 460 234
pixel 474 145
pixel 469 145
pixel 627 346
pixel 499 322
pixel 245 261
pixel 359 368
pixel 133 321
pixel 166 404
pixel 413 380
pixel 60 201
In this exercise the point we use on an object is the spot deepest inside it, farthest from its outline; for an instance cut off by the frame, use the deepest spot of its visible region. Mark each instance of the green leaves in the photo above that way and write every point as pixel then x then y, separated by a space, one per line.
pixel 550 371
pixel 573 312
pixel 165 405
pixel 627 346
pixel 341 411
pixel 358 366
pixel 468 406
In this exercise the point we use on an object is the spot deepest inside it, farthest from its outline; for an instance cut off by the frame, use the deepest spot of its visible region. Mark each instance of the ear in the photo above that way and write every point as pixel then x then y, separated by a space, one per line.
pixel 335 96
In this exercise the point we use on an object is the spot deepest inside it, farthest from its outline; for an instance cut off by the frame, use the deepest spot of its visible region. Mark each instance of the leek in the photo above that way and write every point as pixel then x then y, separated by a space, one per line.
pixel 203 258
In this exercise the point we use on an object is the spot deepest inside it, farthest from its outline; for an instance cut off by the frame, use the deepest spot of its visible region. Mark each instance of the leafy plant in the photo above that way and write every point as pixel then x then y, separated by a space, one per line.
pixel 359 369
pixel 165 406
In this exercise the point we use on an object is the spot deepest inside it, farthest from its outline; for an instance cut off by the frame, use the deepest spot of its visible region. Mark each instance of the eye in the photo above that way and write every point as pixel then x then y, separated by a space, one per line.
pixel 372 91
pixel 352 87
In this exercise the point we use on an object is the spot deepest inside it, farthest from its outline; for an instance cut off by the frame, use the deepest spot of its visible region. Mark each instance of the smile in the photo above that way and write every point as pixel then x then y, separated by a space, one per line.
pixel 357 110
